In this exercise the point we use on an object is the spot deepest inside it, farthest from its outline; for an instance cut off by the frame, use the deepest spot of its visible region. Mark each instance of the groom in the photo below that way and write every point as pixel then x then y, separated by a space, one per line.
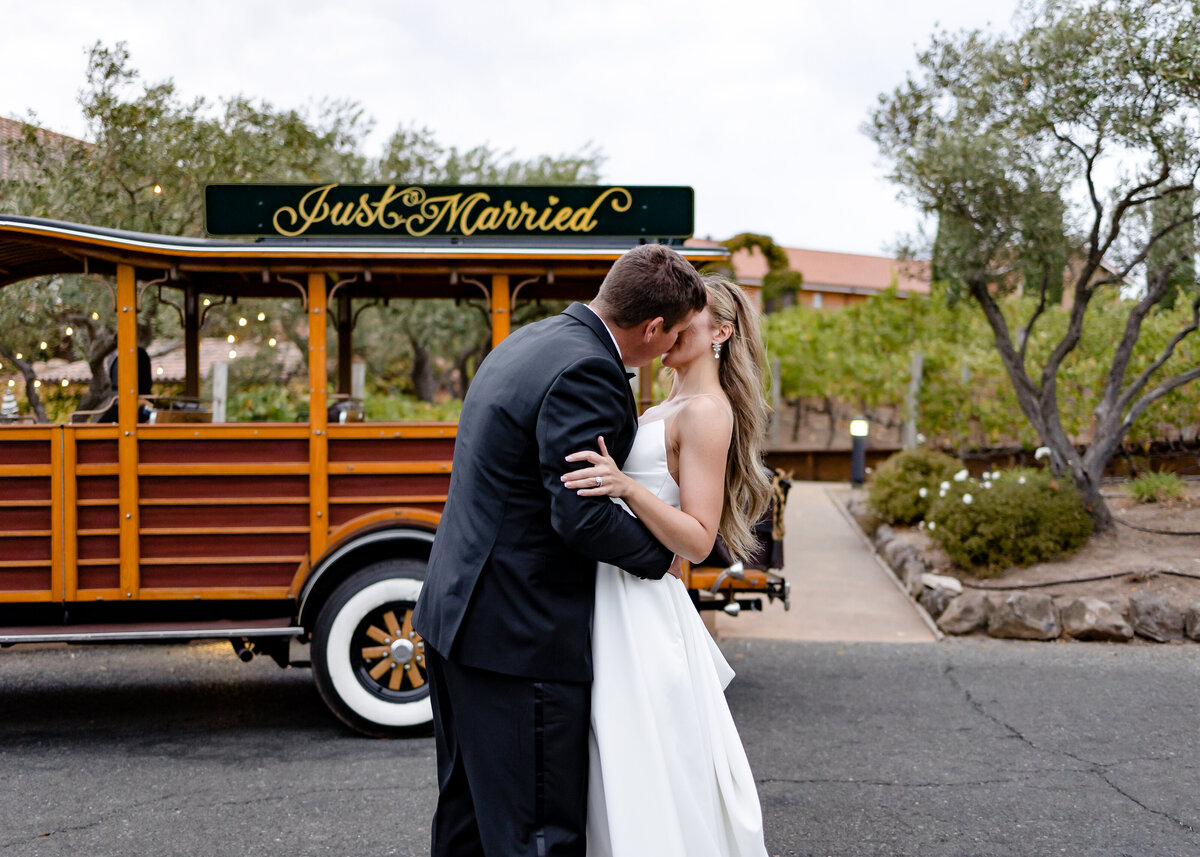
pixel 507 601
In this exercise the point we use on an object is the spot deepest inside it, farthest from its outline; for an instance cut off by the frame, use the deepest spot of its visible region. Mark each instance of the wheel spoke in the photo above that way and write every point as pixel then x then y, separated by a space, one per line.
pixel 380 668
pixel 393 625
pixel 370 653
pixel 397 678
pixel 414 674
pixel 377 635
pixel 407 629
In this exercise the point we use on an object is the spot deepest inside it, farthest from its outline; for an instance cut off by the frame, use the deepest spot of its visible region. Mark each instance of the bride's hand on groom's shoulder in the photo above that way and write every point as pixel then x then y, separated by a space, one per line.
pixel 601 478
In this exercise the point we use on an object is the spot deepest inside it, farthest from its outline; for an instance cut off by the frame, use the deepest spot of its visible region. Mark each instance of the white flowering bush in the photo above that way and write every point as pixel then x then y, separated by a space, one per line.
pixel 902 489
pixel 1018 517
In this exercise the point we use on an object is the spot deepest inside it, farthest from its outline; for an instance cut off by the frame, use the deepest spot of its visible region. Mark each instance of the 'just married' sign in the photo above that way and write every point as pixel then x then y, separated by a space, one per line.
pixel 419 211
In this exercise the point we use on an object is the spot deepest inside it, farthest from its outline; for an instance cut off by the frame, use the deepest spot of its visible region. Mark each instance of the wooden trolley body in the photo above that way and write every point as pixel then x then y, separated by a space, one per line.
pixel 249 531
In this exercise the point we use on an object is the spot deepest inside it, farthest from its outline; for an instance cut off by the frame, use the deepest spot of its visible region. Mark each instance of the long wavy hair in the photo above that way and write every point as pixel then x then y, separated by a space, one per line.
pixel 747 486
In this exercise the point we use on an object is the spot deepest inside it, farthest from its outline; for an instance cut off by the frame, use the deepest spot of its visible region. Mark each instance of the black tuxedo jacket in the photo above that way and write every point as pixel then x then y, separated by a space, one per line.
pixel 510 581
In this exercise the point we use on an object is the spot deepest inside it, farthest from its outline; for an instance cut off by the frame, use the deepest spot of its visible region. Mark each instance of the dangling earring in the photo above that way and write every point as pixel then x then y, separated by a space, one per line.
pixel 716 351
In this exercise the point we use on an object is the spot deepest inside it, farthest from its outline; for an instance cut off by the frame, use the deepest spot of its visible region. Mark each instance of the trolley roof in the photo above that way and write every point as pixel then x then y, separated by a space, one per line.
pixel 557 268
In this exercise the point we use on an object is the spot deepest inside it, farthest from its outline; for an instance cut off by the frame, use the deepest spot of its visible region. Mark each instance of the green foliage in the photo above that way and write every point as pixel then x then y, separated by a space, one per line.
pixel 780 280
pixel 862 355
pixel 901 490
pixel 1018 517
pixel 144 164
pixel 1156 487
pixel 1063 151
pixel 406 408
pixel 268 403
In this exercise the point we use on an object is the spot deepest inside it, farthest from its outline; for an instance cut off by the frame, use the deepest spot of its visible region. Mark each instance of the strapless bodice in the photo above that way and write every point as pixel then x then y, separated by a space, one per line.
pixel 647 462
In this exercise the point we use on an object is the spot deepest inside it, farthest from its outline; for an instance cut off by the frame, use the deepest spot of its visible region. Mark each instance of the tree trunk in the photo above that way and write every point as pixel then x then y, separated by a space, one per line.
pixel 31 393
pixel 1102 519
pixel 423 382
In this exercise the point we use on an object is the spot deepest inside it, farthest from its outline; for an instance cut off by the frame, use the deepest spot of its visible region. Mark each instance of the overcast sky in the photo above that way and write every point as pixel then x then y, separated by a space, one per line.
pixel 756 104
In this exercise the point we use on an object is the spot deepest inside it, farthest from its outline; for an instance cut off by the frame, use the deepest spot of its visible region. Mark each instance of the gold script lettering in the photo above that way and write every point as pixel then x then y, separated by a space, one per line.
pixel 584 218
pixel 467 213
pixel 311 209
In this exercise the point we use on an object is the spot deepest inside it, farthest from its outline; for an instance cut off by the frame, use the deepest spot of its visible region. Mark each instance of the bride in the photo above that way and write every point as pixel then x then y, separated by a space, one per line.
pixel 668 776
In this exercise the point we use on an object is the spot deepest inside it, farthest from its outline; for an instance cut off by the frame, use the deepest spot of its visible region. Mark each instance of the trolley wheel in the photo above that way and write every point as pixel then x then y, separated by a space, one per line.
pixel 368 662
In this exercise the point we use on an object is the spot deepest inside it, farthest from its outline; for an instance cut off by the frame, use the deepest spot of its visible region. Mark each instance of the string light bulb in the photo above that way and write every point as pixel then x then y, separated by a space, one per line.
pixel 158 188
pixel 70 331
pixel 95 316
pixel 271 342
pixel 262 316
pixel 65 382
pixel 231 339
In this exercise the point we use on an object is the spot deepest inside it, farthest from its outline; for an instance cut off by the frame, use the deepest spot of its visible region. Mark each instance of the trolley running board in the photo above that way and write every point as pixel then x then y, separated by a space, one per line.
pixel 120 633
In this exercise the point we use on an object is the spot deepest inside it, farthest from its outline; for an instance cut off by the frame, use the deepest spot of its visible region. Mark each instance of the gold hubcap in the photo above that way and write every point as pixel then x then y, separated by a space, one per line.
pixel 400 653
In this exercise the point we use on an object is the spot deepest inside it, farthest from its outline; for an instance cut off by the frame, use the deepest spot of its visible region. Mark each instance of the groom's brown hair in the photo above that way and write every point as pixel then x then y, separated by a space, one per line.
pixel 647 282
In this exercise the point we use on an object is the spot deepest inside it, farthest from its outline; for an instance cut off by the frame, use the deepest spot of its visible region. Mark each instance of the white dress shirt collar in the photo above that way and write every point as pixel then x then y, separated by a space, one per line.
pixel 610 333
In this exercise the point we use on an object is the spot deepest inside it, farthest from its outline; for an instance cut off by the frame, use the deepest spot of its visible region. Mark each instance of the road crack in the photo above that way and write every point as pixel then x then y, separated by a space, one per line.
pixel 886 783
pixel 1098 769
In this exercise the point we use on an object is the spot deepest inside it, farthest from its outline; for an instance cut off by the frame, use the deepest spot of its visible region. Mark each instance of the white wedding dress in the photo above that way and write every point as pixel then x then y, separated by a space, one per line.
pixel 668 776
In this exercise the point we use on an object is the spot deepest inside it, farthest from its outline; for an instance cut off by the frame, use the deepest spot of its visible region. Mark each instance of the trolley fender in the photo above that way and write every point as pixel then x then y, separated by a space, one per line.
pixel 397 535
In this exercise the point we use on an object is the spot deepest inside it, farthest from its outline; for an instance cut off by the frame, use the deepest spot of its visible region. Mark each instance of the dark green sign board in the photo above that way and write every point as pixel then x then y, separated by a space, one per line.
pixel 419 211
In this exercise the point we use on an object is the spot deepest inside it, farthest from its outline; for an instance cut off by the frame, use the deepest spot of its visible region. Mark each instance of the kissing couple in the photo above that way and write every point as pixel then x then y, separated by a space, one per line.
pixel 578 699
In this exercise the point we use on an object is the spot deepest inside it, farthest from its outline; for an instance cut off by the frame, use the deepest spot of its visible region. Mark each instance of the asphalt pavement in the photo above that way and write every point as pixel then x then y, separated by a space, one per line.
pixel 958 748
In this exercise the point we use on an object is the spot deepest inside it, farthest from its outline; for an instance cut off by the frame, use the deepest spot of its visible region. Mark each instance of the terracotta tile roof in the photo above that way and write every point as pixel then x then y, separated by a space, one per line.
pixel 835 272
pixel 12 130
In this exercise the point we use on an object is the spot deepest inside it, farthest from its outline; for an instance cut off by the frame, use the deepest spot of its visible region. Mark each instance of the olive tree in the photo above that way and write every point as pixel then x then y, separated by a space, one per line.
pixel 1062 154
pixel 146 156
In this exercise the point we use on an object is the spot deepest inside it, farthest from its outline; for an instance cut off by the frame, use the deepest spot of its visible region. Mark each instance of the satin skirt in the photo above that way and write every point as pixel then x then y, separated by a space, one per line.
pixel 668 775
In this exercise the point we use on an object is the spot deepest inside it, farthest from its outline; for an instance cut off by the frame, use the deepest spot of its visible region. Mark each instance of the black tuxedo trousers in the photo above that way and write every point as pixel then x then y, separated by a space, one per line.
pixel 507 599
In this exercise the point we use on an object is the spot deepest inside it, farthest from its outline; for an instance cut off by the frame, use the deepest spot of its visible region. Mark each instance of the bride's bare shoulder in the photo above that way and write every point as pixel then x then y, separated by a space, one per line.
pixel 706 418
pixel 706 406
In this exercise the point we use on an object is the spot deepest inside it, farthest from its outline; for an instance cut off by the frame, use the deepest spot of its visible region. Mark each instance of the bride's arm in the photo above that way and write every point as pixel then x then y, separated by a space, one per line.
pixel 703 432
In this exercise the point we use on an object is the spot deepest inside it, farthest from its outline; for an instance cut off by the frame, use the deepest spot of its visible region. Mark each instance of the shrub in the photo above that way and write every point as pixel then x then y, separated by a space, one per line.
pixel 1156 487
pixel 1018 517
pixel 894 492
pixel 400 408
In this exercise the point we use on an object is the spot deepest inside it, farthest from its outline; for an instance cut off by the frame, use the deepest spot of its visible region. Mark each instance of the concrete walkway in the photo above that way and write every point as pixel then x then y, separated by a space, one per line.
pixel 840 590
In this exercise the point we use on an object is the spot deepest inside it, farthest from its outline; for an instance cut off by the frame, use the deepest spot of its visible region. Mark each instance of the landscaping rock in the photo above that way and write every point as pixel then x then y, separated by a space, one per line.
pixel 965 614
pixel 898 551
pixel 935 601
pixel 910 575
pixel 883 534
pixel 1153 617
pixel 937 591
pixel 1092 619
pixel 1191 621
pixel 862 514
pixel 1024 616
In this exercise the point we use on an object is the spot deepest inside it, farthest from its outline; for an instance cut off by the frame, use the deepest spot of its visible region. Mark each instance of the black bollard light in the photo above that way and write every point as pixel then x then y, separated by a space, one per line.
pixel 859 428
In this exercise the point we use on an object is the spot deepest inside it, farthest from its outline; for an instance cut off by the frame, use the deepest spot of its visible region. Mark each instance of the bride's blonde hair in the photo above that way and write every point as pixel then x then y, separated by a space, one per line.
pixel 747 486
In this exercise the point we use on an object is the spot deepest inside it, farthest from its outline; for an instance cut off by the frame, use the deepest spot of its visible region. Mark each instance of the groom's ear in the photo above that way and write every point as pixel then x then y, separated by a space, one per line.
pixel 653 327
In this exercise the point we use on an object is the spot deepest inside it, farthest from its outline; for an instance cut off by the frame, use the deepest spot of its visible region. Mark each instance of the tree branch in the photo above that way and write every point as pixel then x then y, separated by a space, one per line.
pixel 1140 382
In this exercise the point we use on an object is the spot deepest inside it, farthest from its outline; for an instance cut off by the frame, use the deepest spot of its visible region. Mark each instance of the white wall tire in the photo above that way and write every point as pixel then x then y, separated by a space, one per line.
pixel 368 664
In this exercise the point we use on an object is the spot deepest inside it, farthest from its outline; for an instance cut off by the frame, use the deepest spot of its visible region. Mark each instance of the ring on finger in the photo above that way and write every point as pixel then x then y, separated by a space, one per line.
pixel 599 481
